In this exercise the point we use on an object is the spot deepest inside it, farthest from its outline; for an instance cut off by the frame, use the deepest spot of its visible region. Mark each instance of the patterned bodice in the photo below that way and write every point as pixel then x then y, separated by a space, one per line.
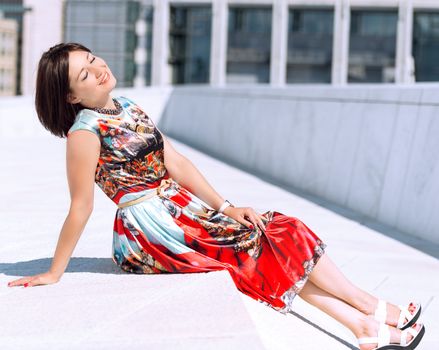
pixel 131 156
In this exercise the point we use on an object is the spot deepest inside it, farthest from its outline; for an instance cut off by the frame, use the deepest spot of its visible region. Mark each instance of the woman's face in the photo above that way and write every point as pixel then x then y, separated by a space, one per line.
pixel 90 79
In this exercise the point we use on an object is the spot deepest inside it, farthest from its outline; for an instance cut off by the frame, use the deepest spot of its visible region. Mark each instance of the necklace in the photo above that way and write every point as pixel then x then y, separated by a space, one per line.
pixel 110 111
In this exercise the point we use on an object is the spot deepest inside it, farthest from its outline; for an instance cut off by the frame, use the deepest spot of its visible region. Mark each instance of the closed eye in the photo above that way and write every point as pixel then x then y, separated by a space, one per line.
pixel 86 74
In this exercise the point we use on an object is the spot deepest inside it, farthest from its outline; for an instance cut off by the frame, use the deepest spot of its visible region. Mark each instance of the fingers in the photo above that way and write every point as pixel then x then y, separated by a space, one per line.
pixel 24 281
pixel 18 282
pixel 247 223
pixel 255 219
pixel 248 217
pixel 33 282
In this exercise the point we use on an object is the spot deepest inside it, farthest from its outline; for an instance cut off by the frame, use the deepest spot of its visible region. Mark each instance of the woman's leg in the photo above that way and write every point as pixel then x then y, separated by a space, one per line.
pixel 328 277
pixel 359 323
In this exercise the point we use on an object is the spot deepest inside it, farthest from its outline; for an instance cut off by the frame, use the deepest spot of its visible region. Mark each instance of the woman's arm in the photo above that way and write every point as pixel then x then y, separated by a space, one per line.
pixel 82 154
pixel 184 172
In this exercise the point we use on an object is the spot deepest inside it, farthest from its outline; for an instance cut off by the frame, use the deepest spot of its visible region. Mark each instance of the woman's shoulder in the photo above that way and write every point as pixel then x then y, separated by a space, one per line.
pixel 125 101
pixel 86 119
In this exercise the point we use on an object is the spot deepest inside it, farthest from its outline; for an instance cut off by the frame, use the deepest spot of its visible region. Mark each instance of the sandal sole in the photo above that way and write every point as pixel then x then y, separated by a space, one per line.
pixel 411 346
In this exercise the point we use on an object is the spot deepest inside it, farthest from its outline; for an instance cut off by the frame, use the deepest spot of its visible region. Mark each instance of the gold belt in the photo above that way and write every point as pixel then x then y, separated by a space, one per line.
pixel 157 192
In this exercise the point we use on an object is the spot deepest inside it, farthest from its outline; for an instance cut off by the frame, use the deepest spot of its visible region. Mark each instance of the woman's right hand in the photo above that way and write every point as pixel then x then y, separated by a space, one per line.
pixel 246 216
pixel 40 279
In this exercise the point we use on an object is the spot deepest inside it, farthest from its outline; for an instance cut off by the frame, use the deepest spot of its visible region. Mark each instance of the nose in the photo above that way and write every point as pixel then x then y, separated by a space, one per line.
pixel 98 71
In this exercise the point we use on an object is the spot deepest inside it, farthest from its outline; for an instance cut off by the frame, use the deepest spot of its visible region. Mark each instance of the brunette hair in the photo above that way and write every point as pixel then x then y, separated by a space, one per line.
pixel 52 87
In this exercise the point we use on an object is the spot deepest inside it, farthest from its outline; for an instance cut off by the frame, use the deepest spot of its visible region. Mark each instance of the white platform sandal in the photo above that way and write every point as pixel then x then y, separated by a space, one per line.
pixel 381 315
pixel 383 339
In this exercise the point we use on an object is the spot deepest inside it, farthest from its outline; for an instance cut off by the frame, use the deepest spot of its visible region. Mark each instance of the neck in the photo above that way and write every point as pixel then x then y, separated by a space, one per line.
pixel 109 104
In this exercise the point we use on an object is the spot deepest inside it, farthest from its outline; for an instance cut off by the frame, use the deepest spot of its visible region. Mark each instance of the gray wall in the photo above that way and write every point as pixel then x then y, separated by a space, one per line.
pixel 372 149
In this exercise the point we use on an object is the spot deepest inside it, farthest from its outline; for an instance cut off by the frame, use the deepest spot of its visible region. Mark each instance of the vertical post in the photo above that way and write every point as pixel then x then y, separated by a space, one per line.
pixel 218 46
pixel 404 60
pixel 279 43
pixel 340 54
pixel 42 28
pixel 160 43
pixel 140 52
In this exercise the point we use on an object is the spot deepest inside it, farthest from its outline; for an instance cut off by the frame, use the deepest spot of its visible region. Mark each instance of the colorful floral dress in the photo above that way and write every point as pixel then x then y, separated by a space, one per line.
pixel 176 232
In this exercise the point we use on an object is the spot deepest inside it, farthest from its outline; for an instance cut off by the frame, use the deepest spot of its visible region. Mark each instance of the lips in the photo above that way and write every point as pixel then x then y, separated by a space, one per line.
pixel 105 78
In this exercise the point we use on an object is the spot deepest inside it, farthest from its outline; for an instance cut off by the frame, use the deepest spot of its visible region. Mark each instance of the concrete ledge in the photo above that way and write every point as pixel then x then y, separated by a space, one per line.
pixel 370 149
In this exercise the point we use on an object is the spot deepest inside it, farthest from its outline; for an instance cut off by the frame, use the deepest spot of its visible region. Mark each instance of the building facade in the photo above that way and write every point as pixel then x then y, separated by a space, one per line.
pixel 220 42
pixel 14 10
pixel 283 42
pixel 8 56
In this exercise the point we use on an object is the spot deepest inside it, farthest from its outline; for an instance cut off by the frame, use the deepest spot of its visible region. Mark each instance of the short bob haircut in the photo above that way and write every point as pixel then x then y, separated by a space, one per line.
pixel 52 87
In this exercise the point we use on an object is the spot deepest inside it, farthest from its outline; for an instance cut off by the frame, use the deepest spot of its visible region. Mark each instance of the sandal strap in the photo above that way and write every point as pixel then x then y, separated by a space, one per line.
pixel 405 314
pixel 368 340
pixel 404 334
pixel 382 339
pixel 381 311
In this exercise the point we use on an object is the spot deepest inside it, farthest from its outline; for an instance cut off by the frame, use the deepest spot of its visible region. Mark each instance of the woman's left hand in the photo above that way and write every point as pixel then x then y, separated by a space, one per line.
pixel 246 216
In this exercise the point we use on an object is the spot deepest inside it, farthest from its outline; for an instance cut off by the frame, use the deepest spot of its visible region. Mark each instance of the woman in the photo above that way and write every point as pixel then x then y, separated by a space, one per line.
pixel 171 220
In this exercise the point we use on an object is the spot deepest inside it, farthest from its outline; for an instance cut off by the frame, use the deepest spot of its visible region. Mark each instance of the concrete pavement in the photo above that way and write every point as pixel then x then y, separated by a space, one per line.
pixel 96 306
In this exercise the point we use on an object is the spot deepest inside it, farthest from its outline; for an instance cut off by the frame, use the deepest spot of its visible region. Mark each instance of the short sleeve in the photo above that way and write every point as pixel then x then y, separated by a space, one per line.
pixel 125 101
pixel 85 121
pixel 128 103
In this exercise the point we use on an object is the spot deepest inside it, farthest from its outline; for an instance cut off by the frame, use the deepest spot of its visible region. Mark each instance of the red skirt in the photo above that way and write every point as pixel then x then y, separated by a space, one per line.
pixel 177 232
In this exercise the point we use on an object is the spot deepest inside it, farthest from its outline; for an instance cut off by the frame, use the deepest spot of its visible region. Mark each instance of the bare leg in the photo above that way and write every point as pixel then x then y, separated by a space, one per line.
pixel 328 277
pixel 359 323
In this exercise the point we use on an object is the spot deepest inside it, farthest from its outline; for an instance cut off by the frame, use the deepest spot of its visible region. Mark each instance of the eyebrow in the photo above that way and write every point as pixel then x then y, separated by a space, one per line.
pixel 88 53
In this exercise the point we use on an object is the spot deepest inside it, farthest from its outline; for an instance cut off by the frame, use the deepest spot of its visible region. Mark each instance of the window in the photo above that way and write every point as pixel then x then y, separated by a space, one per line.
pixel 372 46
pixel 190 31
pixel 425 45
pixel 249 45
pixel 310 41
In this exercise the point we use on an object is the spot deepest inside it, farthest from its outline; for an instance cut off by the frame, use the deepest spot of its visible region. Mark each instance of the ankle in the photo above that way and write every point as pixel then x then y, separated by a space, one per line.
pixel 365 326
pixel 368 305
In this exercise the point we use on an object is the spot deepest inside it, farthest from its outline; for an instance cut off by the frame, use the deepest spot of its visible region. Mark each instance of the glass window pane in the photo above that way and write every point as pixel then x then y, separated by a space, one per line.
pixel 108 29
pixel 425 46
pixel 80 34
pixel 112 12
pixel 372 46
pixel 190 31
pixel 249 45
pixel 310 38
pixel 82 11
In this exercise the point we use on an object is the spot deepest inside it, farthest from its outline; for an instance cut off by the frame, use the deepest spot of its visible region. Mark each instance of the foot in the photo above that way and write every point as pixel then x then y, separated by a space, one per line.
pixel 394 312
pixel 370 329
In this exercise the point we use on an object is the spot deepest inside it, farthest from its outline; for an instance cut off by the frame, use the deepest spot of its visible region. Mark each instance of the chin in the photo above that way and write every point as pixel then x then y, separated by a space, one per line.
pixel 113 85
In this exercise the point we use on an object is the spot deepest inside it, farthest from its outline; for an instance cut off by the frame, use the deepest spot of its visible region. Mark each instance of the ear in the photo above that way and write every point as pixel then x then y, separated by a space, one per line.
pixel 72 99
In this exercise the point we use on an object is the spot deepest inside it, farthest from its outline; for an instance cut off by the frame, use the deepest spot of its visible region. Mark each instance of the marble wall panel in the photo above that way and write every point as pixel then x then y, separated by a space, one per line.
pixel 342 160
pixel 265 130
pixel 398 163
pixel 373 150
pixel 283 129
pixel 371 159
pixel 318 149
pixel 419 194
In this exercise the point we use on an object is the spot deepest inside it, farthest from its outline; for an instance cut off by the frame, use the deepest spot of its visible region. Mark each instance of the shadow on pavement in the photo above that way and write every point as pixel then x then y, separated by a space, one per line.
pixel 33 267
pixel 343 342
